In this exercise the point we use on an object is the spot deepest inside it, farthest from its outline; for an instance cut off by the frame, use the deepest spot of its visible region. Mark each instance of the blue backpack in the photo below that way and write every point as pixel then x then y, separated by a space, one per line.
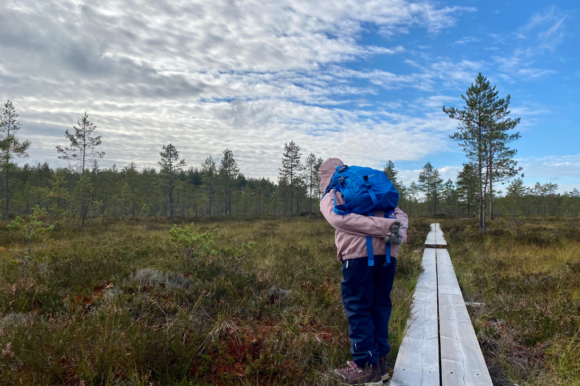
pixel 365 191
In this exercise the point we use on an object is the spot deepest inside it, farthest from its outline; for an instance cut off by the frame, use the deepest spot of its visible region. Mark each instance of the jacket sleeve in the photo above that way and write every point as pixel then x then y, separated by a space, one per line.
pixel 404 219
pixel 356 224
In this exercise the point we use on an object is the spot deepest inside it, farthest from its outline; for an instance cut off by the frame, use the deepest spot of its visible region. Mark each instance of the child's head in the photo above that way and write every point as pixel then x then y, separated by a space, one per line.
pixel 326 171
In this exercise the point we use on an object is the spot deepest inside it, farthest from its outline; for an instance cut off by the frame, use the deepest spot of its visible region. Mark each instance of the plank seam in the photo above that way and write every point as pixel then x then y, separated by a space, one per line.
pixel 438 320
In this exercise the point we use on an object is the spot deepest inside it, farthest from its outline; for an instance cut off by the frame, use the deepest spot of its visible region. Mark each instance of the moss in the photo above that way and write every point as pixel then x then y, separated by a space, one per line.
pixel 119 303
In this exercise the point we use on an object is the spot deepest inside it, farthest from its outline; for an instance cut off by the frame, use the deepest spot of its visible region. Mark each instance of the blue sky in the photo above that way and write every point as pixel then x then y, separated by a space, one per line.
pixel 531 53
pixel 360 80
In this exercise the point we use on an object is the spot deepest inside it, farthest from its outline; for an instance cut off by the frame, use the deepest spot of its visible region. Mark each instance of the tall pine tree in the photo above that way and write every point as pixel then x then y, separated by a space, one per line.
pixel 83 146
pixel 229 171
pixel 430 182
pixel 291 168
pixel 171 166
pixel 311 169
pixel 476 121
pixel 10 148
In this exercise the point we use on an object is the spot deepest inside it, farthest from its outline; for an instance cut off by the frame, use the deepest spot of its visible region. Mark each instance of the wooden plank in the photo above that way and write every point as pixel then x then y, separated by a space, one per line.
pixel 435 238
pixel 418 359
pixel 462 361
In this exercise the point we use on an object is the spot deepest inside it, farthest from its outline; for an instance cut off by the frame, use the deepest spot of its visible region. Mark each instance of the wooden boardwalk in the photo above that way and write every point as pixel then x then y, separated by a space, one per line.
pixel 440 347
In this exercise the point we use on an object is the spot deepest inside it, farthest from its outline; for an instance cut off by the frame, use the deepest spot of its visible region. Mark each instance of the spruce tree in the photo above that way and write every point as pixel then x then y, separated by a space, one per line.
pixel 83 146
pixel 392 173
pixel 171 166
pixel 10 148
pixel 291 168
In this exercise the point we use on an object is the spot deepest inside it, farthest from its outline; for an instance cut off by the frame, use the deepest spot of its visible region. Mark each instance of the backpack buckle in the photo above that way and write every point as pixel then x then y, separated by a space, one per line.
pixel 368 184
pixel 341 179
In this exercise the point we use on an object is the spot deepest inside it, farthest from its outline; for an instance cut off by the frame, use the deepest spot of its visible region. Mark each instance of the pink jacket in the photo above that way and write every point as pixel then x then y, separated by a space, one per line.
pixel 352 229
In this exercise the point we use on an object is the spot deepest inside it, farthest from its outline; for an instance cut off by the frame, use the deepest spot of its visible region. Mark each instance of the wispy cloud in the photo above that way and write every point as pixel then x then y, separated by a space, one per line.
pixel 466 40
pixel 560 167
pixel 212 74
pixel 548 28
pixel 544 31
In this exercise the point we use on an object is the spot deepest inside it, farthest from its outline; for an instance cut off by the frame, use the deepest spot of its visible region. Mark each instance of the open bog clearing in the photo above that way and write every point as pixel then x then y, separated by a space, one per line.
pixel 122 304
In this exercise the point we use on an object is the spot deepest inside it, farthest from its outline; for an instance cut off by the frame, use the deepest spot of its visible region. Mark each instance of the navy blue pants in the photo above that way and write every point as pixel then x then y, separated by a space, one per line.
pixel 366 297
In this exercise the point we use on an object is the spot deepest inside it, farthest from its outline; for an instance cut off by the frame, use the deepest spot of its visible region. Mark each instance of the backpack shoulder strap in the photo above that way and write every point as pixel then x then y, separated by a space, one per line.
pixel 389 214
pixel 339 209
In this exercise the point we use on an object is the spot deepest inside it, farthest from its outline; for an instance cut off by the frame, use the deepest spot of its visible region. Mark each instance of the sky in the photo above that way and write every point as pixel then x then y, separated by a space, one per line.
pixel 364 81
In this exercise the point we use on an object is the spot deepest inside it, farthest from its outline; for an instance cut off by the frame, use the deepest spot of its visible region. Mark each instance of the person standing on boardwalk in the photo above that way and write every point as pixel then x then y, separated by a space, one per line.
pixel 365 289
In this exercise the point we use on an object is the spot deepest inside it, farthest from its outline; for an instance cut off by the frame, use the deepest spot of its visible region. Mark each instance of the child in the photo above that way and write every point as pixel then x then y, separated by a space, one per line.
pixel 365 290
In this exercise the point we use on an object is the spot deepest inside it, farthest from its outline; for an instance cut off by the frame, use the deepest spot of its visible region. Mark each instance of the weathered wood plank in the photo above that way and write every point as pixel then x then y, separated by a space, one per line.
pixel 418 359
pixel 462 361
pixel 435 238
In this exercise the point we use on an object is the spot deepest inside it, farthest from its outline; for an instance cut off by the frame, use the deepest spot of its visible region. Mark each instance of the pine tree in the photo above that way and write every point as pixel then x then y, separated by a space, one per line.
pixel 291 168
pixel 317 169
pixel 551 190
pixel 476 119
pixel 209 170
pixel 311 177
pixel 413 191
pixel 501 165
pixel 10 148
pixel 229 171
pixel 515 191
pixel 467 185
pixel 132 177
pixel 171 166
pixel 449 194
pixel 58 194
pixel 83 146
pixel 82 198
pixel 430 183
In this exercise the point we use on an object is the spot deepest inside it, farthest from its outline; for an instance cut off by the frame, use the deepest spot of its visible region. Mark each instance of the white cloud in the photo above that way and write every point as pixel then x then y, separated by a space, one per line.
pixel 466 40
pixel 544 31
pixel 548 26
pixel 446 173
pixel 248 75
pixel 553 167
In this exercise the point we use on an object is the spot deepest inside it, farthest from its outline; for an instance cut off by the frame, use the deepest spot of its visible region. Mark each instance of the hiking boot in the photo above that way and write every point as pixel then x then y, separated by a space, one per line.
pixel 385 375
pixel 351 374
pixel 384 367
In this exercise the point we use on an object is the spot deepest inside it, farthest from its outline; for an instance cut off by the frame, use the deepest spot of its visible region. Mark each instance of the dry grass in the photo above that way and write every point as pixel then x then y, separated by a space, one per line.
pixel 527 273
pixel 119 304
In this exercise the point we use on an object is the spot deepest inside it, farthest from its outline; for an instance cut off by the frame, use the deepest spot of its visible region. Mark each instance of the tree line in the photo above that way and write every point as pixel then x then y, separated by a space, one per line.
pixel 84 191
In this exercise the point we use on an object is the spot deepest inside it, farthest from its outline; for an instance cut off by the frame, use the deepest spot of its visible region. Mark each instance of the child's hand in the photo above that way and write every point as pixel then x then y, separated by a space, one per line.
pixel 394 237
pixel 396 227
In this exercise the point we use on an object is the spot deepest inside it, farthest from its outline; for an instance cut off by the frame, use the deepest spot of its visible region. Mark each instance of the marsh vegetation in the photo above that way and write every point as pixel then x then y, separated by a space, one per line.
pixel 121 303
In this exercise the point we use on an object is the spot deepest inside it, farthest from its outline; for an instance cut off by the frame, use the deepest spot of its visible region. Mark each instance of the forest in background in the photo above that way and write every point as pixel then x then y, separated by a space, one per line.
pixel 489 184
